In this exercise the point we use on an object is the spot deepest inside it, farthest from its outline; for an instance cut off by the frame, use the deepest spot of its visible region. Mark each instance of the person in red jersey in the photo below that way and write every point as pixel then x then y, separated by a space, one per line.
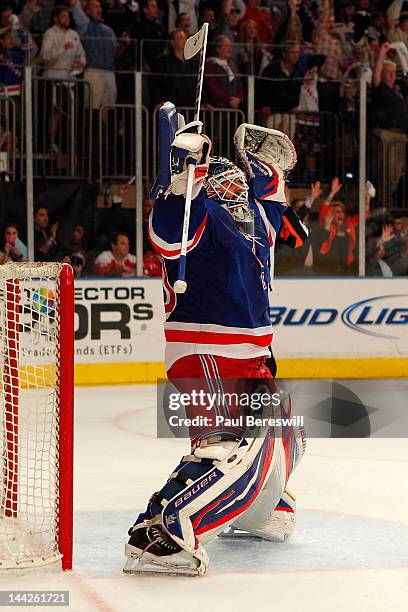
pixel 116 261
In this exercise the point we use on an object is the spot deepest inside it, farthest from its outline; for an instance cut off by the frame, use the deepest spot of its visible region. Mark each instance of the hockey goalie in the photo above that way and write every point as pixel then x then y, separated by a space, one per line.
pixel 216 332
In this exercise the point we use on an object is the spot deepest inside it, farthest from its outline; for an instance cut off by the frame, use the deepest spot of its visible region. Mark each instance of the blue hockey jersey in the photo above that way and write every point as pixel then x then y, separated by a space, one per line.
pixel 225 310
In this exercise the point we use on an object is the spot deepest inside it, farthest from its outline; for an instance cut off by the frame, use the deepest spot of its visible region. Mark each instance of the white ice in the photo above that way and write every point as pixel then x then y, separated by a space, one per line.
pixel 349 551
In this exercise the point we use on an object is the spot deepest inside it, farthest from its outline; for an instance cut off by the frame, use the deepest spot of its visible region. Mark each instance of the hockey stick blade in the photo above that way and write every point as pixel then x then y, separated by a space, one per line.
pixel 194 44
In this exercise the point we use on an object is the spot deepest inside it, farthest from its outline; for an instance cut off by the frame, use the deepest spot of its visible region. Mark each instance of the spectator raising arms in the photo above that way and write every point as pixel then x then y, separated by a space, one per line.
pixel 337 238
pixel 395 241
pixel 326 44
pixel 337 242
pixel 117 261
pixel 375 264
pixel 101 46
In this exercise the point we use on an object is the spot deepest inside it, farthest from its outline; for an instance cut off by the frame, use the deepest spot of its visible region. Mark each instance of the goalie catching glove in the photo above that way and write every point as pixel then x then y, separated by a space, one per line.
pixel 267 155
pixel 189 146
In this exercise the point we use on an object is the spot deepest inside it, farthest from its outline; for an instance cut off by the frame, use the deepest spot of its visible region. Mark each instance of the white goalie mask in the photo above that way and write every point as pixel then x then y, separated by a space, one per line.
pixel 226 184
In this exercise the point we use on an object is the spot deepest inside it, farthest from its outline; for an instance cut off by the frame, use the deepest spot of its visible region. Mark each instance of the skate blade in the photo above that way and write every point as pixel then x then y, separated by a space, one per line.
pixel 134 566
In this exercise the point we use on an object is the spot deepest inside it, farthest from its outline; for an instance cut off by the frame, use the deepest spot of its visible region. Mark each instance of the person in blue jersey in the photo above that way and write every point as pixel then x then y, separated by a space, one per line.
pixel 218 335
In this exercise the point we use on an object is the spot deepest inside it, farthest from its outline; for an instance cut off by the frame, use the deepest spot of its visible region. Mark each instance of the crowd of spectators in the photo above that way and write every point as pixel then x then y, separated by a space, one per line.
pixel 332 246
pixel 307 55
pixel 269 38
pixel 330 250
pixel 110 255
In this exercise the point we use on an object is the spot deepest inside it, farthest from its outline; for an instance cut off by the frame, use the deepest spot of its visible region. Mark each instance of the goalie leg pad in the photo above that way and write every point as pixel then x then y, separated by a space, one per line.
pixel 272 516
pixel 276 525
pixel 205 507
pixel 206 492
pixel 263 519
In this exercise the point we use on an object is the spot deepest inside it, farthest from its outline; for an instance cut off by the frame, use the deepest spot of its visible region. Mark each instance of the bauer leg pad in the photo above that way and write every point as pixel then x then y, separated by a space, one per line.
pixel 193 507
pixel 272 516
pixel 277 526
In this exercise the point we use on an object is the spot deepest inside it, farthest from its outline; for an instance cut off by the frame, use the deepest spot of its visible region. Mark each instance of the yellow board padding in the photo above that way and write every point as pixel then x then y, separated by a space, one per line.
pixel 31 376
pixel 386 367
pixel 119 373
pixel 150 371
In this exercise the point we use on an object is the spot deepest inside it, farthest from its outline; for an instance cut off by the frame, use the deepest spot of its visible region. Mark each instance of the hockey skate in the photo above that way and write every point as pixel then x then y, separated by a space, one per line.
pixel 151 551
pixel 277 527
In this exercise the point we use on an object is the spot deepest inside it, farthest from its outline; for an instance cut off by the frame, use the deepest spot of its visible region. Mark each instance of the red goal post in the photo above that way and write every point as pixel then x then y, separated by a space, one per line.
pixel 36 414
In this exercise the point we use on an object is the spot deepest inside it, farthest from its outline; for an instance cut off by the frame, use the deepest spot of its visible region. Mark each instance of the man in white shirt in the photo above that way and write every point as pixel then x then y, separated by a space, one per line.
pixel 63 57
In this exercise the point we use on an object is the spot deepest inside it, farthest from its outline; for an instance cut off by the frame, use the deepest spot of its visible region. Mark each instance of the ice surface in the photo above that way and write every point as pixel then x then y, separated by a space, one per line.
pixel 349 551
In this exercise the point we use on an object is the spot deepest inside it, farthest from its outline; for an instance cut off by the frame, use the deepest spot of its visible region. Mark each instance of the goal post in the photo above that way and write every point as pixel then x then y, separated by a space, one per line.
pixel 11 388
pixel 36 414
pixel 65 387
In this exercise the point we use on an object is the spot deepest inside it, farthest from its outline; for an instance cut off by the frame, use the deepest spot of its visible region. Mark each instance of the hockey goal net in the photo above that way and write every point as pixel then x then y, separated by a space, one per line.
pixel 36 414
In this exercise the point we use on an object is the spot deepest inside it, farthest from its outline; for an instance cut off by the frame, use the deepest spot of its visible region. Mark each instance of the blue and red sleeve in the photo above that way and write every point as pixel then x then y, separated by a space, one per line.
pixel 272 211
pixel 166 222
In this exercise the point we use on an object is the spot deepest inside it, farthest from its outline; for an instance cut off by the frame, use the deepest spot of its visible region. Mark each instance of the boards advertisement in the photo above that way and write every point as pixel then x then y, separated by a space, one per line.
pixel 322 327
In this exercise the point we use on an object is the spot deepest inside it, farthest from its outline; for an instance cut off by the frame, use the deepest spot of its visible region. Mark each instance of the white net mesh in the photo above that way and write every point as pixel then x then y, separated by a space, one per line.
pixel 29 414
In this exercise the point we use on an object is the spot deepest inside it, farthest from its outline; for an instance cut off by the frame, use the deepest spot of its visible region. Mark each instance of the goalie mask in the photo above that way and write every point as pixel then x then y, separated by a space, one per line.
pixel 226 184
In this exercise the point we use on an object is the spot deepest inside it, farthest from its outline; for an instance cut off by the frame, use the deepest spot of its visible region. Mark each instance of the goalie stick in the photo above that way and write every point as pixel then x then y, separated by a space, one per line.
pixel 194 44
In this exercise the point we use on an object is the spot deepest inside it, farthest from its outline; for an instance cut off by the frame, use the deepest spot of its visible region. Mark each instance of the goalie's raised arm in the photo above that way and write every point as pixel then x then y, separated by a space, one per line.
pixel 189 146
pixel 267 155
pixel 177 143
